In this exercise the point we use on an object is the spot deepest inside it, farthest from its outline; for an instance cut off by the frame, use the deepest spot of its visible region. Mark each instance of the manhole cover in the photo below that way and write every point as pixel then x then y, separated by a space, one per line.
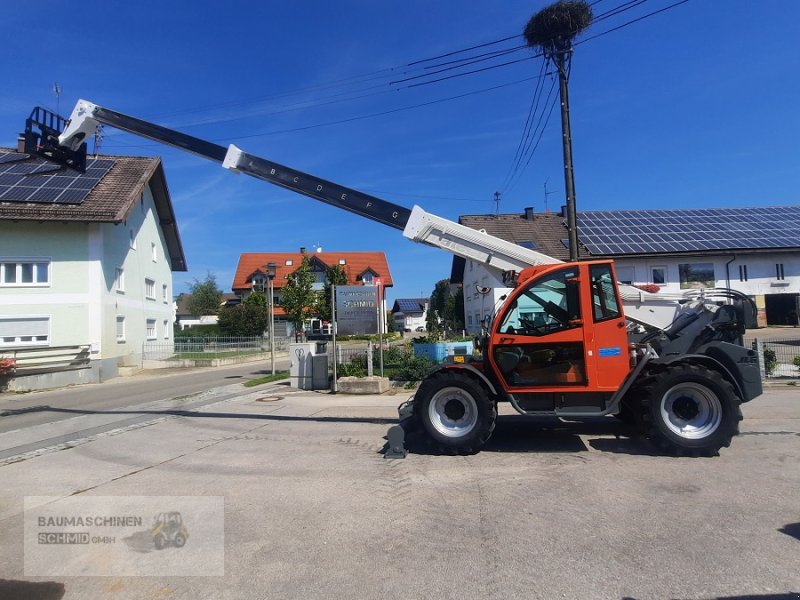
pixel 269 399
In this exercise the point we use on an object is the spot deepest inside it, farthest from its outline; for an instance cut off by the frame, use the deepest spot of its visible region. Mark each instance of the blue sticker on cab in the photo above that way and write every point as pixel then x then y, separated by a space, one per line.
pixel 611 351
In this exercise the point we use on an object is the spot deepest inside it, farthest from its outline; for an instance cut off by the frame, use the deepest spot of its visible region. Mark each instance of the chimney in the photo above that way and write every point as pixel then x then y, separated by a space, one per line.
pixel 21 143
pixel 302 249
pixel 564 211
pixel 529 213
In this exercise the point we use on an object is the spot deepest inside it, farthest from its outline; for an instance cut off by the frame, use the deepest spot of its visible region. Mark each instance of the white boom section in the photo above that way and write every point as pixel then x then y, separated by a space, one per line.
pixel 469 243
pixel 80 127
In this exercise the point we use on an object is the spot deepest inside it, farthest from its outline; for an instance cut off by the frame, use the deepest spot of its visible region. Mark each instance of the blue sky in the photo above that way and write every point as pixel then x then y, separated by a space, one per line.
pixel 694 107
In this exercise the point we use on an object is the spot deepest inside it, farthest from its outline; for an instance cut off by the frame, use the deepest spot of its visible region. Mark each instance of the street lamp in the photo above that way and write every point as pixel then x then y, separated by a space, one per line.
pixel 270 277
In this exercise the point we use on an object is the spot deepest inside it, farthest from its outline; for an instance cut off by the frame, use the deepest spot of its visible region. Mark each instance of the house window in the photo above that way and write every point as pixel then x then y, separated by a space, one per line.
pixel 469 320
pixel 341 261
pixel 150 289
pixel 151 329
pixel 779 271
pixel 367 278
pixel 696 275
pixel 120 328
pixel 153 252
pixel 119 280
pixel 24 331
pixel 164 294
pixel 133 240
pixel 25 272
pixel 289 262
pixel 658 275
pixel 166 329
pixel 742 272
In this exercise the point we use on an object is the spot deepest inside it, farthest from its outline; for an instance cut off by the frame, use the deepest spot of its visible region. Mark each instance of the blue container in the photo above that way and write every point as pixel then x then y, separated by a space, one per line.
pixel 438 352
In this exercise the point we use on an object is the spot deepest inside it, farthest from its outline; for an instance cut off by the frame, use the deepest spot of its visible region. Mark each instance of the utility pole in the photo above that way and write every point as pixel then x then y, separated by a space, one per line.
pixel 552 30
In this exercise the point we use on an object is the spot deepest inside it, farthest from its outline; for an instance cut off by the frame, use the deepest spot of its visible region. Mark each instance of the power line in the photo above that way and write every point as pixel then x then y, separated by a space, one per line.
pixel 631 22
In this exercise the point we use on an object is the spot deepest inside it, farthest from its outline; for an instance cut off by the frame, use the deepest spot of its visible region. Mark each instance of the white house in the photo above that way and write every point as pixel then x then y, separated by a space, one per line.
pixel 86 262
pixel 752 250
pixel 410 313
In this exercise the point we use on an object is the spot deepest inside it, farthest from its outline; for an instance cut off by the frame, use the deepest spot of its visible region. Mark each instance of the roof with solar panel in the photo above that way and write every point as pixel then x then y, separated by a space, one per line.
pixel 33 189
pixel 620 232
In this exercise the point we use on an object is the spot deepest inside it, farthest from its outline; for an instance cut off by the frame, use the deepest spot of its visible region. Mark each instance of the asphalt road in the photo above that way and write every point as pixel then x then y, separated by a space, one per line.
pixel 547 510
pixel 123 392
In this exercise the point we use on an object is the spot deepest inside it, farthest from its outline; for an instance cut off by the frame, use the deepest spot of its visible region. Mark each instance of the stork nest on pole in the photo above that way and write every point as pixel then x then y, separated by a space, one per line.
pixel 554 27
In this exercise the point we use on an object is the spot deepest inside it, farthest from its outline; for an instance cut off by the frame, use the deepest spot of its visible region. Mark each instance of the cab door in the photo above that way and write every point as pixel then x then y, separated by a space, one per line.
pixel 538 340
pixel 606 334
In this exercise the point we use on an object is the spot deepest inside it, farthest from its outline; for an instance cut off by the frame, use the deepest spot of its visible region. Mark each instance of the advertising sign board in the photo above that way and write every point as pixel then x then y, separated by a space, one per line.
pixel 356 310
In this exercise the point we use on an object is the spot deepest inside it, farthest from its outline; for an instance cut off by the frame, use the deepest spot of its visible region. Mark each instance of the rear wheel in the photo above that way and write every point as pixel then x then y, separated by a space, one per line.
pixel 689 409
pixel 456 412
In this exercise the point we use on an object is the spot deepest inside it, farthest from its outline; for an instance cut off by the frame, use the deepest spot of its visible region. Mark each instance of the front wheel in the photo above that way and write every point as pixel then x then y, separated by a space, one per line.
pixel 456 412
pixel 689 409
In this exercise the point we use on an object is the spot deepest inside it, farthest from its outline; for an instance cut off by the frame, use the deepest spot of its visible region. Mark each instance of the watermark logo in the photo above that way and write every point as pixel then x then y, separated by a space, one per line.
pixel 124 535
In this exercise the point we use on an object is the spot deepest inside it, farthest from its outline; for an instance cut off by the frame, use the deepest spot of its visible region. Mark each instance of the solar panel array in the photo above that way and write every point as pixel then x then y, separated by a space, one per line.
pixel 616 232
pixel 529 244
pixel 23 179
pixel 407 305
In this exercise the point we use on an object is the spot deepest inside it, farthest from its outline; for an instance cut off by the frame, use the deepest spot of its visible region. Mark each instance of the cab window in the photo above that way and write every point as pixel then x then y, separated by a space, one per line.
pixel 604 297
pixel 547 305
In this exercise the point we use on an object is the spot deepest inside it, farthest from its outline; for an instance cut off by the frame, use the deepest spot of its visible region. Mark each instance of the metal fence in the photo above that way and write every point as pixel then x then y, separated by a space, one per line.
pixel 779 357
pixel 209 347
pixel 354 360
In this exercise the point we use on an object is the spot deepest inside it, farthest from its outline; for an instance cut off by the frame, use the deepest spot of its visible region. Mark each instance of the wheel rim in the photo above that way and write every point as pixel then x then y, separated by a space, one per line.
pixel 691 410
pixel 453 412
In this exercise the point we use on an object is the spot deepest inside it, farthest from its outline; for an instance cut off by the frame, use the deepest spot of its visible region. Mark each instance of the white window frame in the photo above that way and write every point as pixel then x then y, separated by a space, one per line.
pixel 149 289
pixel 151 333
pixel 121 331
pixel 119 280
pixel 18 261
pixel 18 341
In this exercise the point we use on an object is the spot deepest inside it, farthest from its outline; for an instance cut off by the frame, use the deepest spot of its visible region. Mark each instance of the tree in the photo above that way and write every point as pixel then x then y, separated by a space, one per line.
pixel 335 275
pixel 244 320
pixel 205 297
pixel 298 298
pixel 447 307
pixel 256 299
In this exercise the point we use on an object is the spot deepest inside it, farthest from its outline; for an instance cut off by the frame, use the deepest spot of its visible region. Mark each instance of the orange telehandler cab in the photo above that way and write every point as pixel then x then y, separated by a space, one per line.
pixel 568 340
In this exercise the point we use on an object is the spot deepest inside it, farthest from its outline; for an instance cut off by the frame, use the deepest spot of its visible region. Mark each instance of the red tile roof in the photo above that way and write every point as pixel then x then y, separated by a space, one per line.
pixel 355 263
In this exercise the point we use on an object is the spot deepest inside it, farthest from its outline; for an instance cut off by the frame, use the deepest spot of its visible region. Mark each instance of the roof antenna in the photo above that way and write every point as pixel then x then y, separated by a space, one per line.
pixel 546 194
pixel 497 203
pixel 57 92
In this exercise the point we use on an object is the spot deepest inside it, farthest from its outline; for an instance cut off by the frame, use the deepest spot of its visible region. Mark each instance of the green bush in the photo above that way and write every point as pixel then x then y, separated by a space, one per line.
pixel 770 360
pixel 413 368
pixel 198 331
pixel 796 361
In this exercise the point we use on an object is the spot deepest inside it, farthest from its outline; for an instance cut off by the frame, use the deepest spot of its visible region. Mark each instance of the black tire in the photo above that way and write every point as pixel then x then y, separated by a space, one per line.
pixel 627 414
pixel 689 410
pixel 179 540
pixel 160 542
pixel 455 411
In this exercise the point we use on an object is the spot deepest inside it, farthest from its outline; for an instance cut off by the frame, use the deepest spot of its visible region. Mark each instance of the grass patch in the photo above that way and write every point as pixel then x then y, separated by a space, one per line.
pixel 266 379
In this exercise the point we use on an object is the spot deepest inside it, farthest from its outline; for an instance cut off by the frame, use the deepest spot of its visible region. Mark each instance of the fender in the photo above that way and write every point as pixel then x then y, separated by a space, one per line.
pixel 476 372
pixel 708 361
